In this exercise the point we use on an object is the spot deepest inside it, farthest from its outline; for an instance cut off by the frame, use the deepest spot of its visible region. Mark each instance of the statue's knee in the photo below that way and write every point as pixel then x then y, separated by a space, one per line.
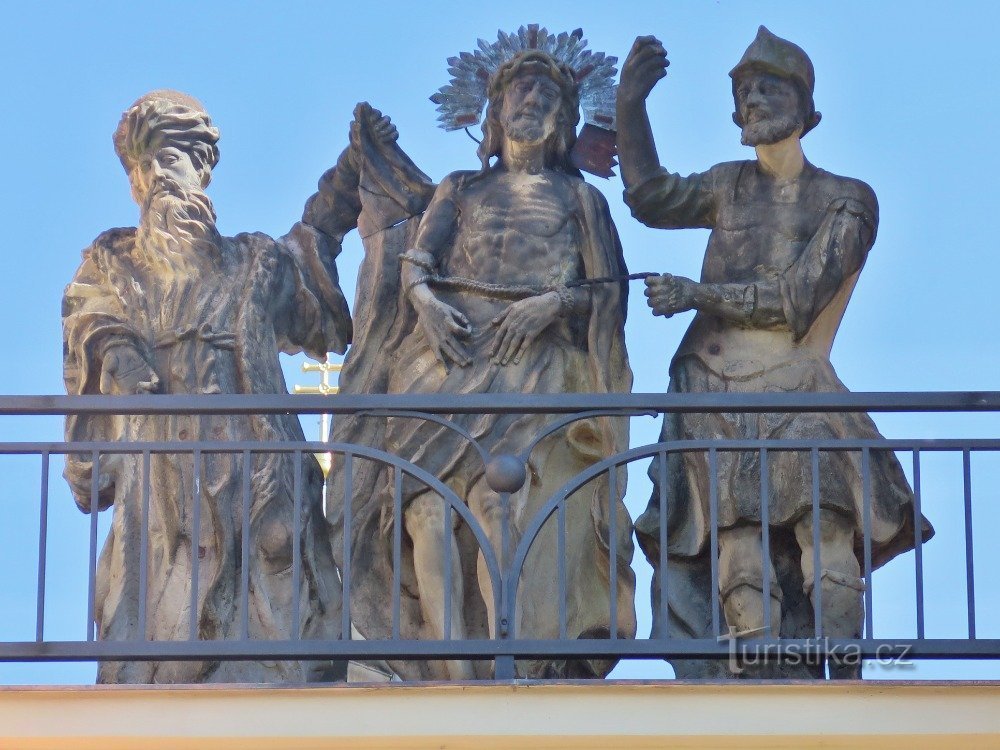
pixel 836 539
pixel 836 528
pixel 838 584
pixel 425 514
pixel 743 604
pixel 487 505
pixel 274 542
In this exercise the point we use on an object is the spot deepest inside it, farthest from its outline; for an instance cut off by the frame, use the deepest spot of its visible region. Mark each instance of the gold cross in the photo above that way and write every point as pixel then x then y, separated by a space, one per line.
pixel 323 389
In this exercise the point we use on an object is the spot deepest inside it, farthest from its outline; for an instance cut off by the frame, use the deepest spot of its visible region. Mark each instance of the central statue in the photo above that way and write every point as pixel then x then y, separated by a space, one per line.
pixel 487 304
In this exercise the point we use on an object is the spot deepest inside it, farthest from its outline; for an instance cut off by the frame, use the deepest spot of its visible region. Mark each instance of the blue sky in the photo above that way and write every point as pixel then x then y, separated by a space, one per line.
pixel 910 102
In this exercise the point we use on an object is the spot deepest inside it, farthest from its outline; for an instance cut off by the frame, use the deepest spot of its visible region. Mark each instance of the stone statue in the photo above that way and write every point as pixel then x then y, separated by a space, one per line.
pixel 480 304
pixel 174 307
pixel 787 244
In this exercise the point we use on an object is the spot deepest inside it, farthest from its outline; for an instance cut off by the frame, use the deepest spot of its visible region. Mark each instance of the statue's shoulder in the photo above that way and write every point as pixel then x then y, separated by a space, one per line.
pixel 118 240
pixel 587 193
pixel 730 171
pixel 251 240
pixel 459 181
pixel 725 176
pixel 253 247
pixel 110 244
pixel 835 186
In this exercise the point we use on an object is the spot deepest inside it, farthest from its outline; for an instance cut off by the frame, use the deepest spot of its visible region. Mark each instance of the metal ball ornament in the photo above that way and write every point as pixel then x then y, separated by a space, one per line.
pixel 505 473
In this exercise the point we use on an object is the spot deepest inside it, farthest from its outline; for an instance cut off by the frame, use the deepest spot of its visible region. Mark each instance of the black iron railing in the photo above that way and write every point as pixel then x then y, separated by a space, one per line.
pixel 505 566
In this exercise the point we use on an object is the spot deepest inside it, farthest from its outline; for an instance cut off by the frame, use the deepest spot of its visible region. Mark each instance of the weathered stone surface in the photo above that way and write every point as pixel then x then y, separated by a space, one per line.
pixel 174 307
pixel 480 305
pixel 787 244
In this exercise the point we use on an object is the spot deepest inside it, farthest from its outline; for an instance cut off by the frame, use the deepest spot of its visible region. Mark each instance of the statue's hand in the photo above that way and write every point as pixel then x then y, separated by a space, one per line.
pixel 379 126
pixel 668 294
pixel 124 372
pixel 520 324
pixel 384 130
pixel 645 65
pixel 444 326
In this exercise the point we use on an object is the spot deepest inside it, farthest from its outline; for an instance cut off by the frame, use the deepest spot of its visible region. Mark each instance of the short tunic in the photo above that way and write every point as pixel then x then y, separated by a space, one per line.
pixel 796 248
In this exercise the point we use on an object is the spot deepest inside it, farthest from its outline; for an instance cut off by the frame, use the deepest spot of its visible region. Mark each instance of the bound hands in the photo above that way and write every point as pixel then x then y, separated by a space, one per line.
pixel 444 326
pixel 645 65
pixel 125 372
pixel 520 324
pixel 667 294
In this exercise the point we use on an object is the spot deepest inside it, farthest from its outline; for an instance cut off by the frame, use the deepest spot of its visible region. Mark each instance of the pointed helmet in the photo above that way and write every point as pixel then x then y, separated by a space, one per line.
pixel 772 54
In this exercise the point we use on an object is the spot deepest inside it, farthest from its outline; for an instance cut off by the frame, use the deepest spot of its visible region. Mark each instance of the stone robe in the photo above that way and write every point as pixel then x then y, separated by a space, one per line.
pixel 391 355
pixel 793 253
pixel 215 327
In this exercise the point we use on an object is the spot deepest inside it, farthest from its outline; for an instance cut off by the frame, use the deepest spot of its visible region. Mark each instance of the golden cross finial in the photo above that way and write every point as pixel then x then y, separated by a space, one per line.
pixel 323 389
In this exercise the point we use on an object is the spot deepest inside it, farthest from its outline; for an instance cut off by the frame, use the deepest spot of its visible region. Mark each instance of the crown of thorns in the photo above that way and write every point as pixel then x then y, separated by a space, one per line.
pixel 461 102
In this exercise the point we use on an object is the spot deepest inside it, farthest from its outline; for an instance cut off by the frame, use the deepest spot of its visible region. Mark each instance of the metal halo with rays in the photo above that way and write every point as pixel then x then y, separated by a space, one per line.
pixel 461 102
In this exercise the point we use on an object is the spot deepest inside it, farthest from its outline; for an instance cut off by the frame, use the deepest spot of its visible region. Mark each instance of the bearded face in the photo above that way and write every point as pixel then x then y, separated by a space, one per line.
pixel 768 109
pixel 531 108
pixel 177 226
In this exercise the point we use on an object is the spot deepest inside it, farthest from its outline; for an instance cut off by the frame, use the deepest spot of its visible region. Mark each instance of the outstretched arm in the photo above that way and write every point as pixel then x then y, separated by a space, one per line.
pixel 791 299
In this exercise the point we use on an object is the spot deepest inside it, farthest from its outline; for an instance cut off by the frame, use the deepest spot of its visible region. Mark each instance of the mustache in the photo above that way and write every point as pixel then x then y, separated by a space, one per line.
pixel 527 109
pixel 162 186
pixel 168 198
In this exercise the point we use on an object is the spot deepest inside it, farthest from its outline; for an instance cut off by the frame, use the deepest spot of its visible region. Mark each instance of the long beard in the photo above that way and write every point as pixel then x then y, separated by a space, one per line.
pixel 769 130
pixel 177 230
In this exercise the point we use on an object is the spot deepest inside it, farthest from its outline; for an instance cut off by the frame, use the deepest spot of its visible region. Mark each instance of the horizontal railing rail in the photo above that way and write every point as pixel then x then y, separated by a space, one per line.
pixel 512 403
pixel 505 566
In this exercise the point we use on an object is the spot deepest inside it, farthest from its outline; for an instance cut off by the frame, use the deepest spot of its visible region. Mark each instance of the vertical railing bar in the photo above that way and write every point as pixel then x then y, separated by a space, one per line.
pixel 561 554
pixel 195 543
pixel 817 557
pixel 397 547
pixel 507 625
pixel 505 583
pixel 713 508
pixel 345 572
pixel 95 475
pixel 664 540
pixel 866 489
pixel 297 546
pixel 43 540
pixel 245 549
pixel 448 537
pixel 970 576
pixel 144 543
pixel 765 540
pixel 613 548
pixel 918 543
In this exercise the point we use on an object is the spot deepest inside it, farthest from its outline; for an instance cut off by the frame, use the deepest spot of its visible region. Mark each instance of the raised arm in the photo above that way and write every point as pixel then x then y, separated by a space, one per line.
pixel 657 197
pixel 645 65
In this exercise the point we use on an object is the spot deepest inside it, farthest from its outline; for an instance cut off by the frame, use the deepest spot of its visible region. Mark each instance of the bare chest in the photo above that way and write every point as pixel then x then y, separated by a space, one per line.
pixel 518 231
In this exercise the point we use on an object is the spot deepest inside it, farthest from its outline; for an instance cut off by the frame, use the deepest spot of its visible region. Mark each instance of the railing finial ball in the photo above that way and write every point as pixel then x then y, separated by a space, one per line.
pixel 505 473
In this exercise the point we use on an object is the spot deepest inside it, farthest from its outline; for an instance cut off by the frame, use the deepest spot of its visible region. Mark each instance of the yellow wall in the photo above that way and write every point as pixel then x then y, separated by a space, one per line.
pixel 484 717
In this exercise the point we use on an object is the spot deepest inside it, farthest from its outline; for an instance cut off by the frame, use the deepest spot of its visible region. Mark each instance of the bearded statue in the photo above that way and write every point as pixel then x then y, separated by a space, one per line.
pixel 173 307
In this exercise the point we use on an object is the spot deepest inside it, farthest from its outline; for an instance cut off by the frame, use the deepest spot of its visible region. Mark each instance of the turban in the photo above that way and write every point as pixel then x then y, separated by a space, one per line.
pixel 166 118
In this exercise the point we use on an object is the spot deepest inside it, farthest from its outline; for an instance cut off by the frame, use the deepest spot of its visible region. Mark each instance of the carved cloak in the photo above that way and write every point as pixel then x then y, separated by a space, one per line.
pixel 215 331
